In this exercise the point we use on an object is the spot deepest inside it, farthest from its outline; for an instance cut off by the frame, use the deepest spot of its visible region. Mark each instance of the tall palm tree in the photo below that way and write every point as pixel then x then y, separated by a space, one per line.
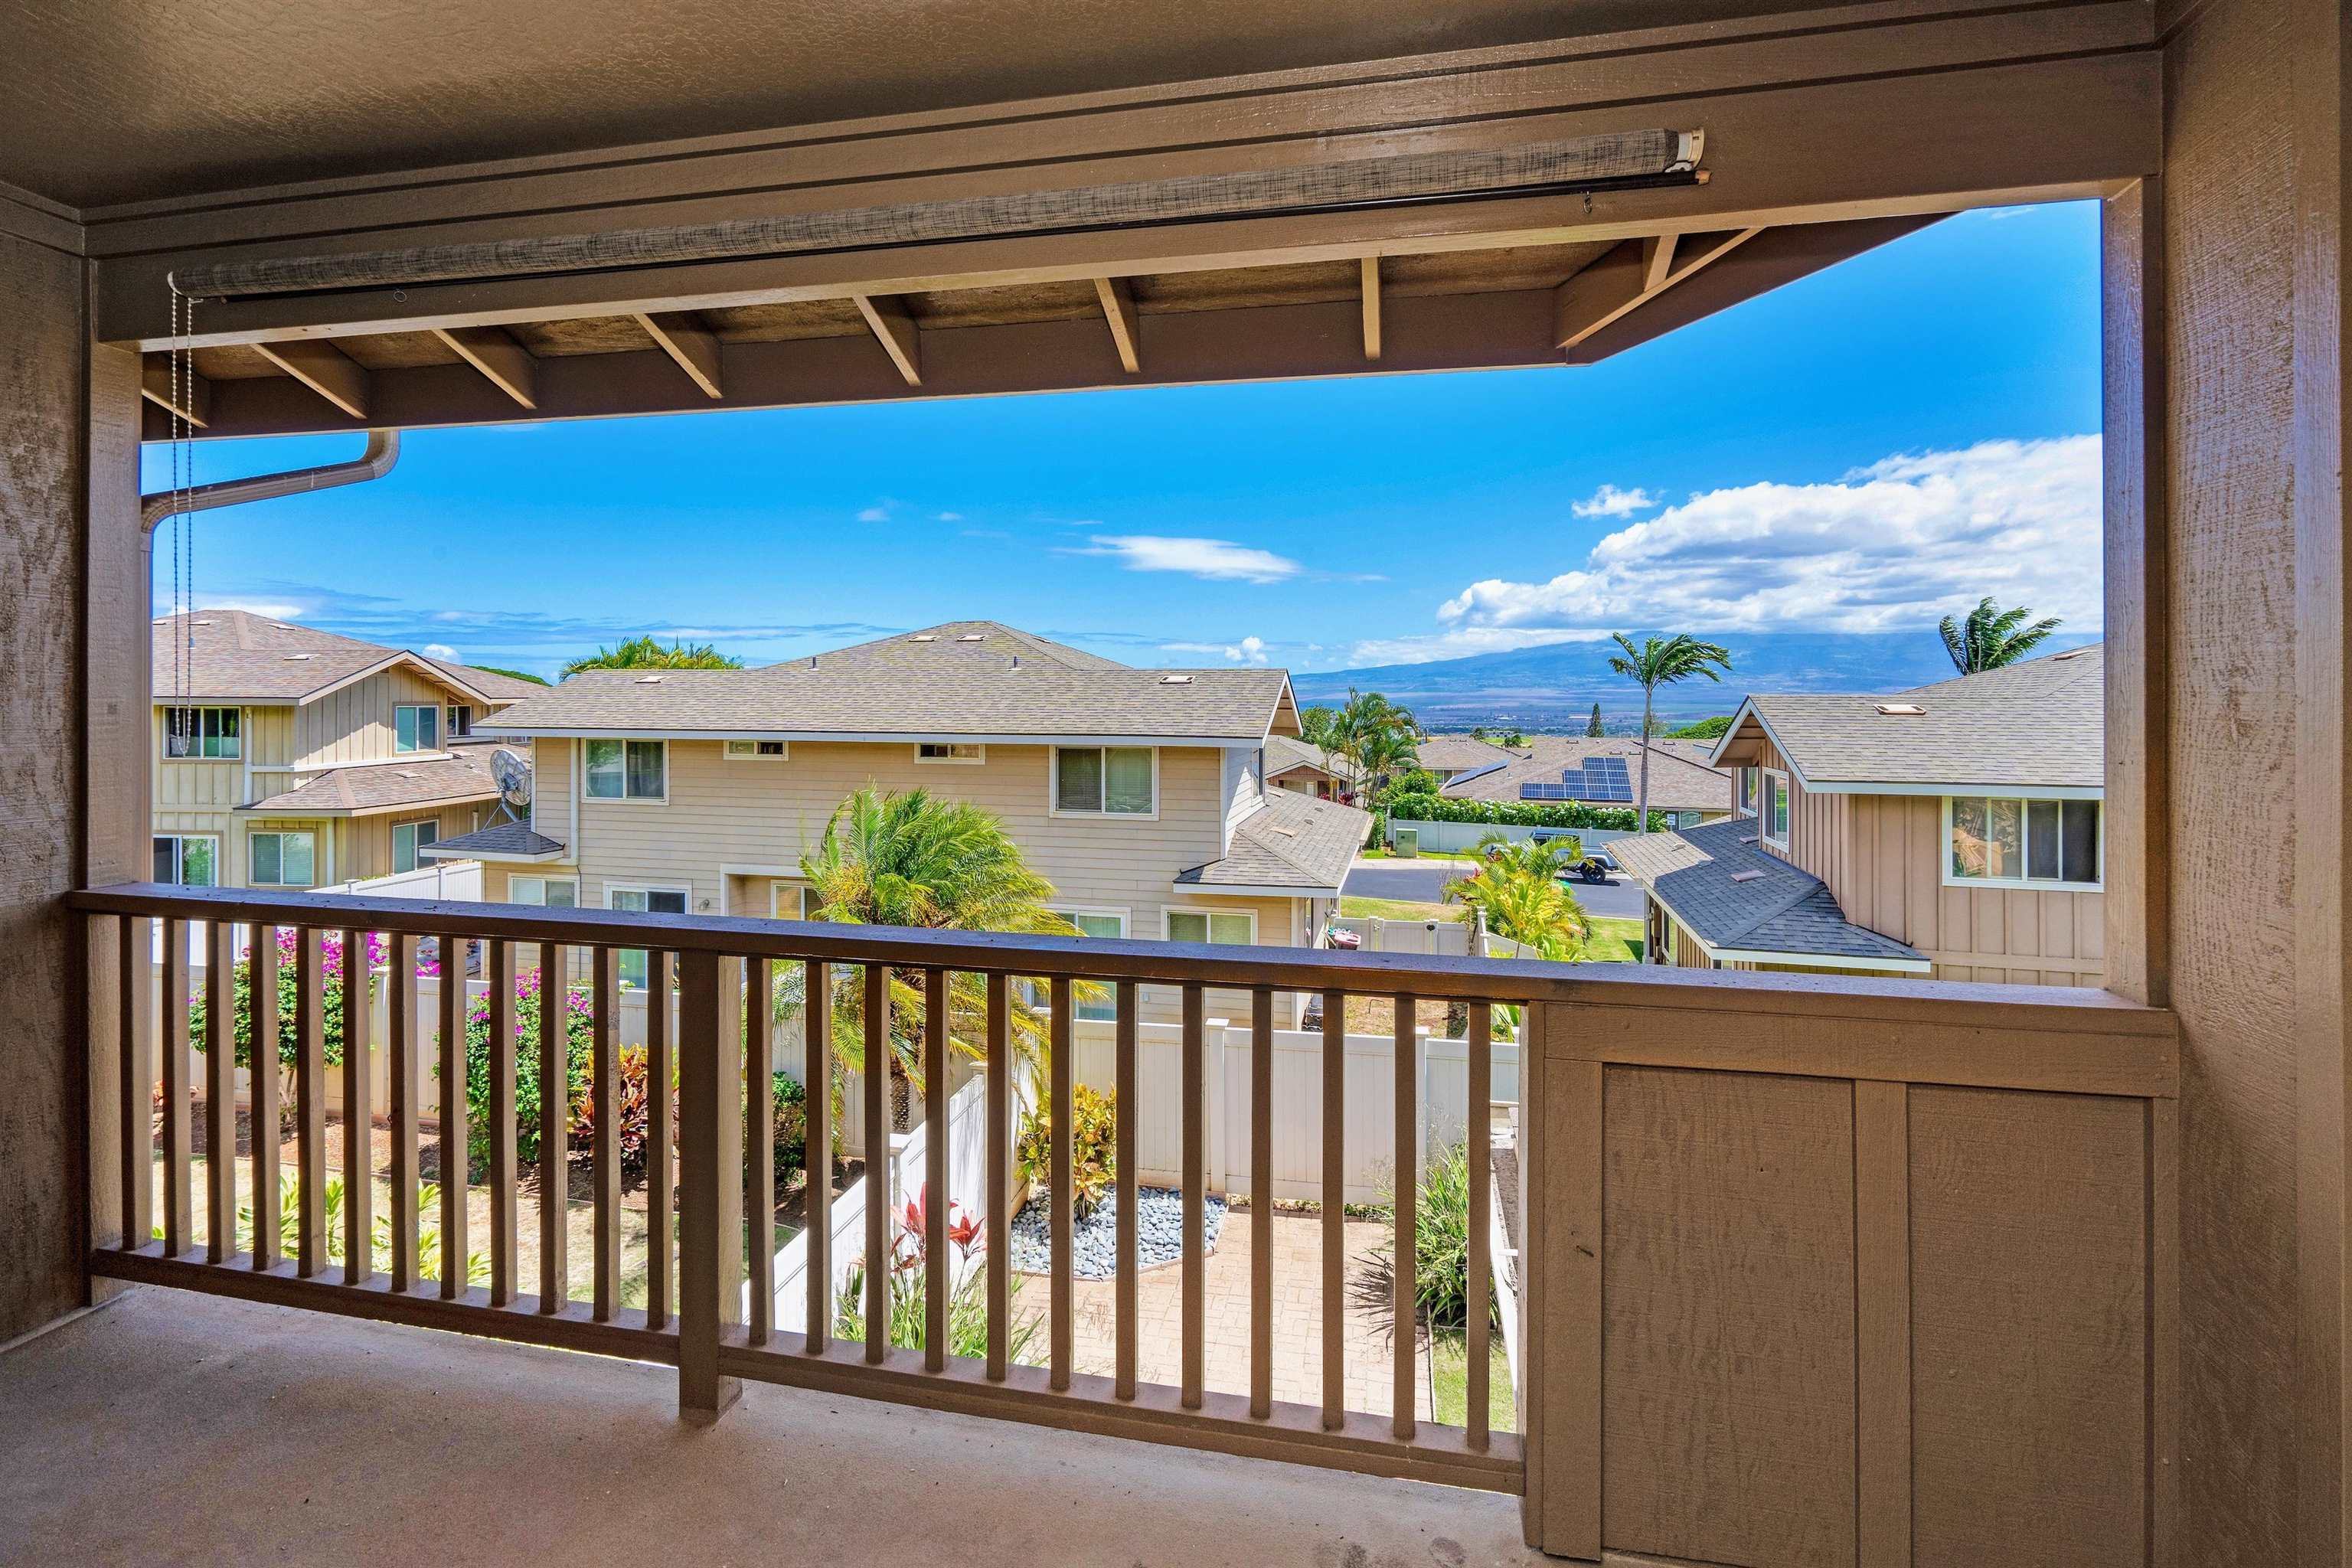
pixel 1662 661
pixel 1991 636
pixel 645 653
pixel 1367 725
pixel 1517 889
pixel 915 860
pixel 1319 728
pixel 1383 754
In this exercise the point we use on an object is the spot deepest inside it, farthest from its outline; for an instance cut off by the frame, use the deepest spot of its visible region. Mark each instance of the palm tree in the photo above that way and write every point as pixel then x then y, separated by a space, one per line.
pixel 1381 753
pixel 1662 661
pixel 1319 728
pixel 645 653
pixel 915 860
pixel 1370 725
pixel 1517 889
pixel 1990 637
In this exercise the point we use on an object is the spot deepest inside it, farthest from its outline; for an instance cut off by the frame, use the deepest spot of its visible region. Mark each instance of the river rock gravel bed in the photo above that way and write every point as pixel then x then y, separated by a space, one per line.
pixel 1159 1233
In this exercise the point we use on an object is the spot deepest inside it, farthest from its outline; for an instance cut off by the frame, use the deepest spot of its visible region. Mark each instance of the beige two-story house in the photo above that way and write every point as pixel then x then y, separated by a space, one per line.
pixel 1140 794
pixel 288 757
pixel 1953 830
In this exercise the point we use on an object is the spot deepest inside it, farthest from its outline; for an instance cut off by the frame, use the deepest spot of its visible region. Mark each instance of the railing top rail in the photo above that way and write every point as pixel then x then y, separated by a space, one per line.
pixel 1949 1003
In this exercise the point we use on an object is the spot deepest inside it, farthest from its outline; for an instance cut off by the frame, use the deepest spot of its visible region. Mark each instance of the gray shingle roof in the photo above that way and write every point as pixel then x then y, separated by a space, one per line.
pixel 963 679
pixel 1461 751
pixel 1779 909
pixel 2042 723
pixel 233 656
pixel 384 786
pixel 1681 779
pixel 1297 841
pixel 490 683
pixel 508 839
pixel 1284 752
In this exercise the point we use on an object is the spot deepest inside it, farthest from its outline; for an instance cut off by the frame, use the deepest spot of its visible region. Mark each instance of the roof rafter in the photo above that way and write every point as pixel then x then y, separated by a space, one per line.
pixel 1118 299
pixel 896 331
pixel 494 352
pixel 324 369
pixel 1635 273
pixel 681 335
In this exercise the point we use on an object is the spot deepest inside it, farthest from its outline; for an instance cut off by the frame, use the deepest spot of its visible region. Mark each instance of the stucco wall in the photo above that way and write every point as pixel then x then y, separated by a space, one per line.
pixel 41 609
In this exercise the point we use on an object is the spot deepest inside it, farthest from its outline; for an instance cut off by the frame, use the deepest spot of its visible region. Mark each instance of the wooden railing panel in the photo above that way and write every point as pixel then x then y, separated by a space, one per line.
pixel 506 1213
pixel 1194 1307
pixel 407 1079
pixel 359 1116
pixel 1061 1207
pixel 759 1146
pixel 1405 1251
pixel 179 1202
pixel 220 1091
pixel 605 1088
pixel 816 1023
pixel 455 1159
pixel 1126 1304
pixel 711 1186
pixel 1480 1139
pixel 1335 1209
pixel 554 1065
pixel 261 984
pixel 935 1172
pixel 1261 1393
pixel 877 1160
pixel 310 1101
pixel 135 1069
pixel 661 1185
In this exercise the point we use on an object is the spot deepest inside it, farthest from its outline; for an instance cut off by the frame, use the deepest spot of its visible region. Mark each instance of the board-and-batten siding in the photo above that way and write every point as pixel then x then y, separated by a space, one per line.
pixel 355 723
pixel 1882 858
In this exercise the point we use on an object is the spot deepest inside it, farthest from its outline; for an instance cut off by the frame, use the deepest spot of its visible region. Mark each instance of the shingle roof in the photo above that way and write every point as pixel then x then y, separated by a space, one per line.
pixel 1297 841
pixel 233 656
pixel 962 679
pixel 507 841
pixel 1680 776
pixel 384 786
pixel 1776 908
pixel 1463 751
pixel 1284 752
pixel 496 686
pixel 2042 723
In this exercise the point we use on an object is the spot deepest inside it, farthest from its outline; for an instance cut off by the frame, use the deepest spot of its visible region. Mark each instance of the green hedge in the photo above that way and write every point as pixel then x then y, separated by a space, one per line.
pixel 1517 814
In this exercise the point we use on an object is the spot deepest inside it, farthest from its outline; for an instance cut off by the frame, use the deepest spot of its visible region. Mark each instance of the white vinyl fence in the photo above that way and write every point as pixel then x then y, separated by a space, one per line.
pixel 1453 838
pixel 1447 938
pixel 457 879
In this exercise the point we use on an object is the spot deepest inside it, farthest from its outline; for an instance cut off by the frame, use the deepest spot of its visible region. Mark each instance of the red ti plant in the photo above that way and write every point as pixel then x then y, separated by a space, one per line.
pixel 963 1229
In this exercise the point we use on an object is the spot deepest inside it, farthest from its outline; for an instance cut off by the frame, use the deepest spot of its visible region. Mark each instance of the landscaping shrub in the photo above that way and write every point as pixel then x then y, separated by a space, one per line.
pixel 967 1303
pixel 791 1140
pixel 331 968
pixel 579 1042
pixel 1519 813
pixel 1094 1150
pixel 1440 1253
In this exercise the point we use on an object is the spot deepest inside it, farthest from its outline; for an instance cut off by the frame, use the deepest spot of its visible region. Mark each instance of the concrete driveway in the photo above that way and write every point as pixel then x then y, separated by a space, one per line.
pixel 1423 882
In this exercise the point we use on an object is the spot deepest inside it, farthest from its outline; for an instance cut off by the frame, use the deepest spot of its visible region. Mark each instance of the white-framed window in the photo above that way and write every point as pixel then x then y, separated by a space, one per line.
pixel 791 900
pixel 1226 928
pixel 1106 923
pixel 458 718
pixel 753 750
pixel 654 901
pixel 187 859
pixel 2008 841
pixel 1105 781
pixel 625 770
pixel 203 734
pixel 416 727
pixel 1774 789
pixel 408 838
pixel 544 892
pixel 950 752
pixel 283 860
pixel 1743 791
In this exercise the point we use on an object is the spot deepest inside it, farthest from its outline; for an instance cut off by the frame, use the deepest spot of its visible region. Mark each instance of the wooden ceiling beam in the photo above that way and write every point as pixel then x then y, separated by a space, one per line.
pixel 1658 260
pixel 1620 282
pixel 195 399
pixel 1371 286
pixel 324 369
pixel 896 331
pixel 690 345
pixel 1118 313
pixel 494 352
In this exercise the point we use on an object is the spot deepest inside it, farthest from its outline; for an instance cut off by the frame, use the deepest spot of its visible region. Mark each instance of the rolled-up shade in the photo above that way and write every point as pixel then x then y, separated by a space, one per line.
pixel 1582 162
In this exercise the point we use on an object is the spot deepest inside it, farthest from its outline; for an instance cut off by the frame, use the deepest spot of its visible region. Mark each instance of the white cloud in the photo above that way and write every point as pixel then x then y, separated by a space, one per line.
pixel 277 610
pixel 1460 642
pixel 1218 559
pixel 440 650
pixel 950 517
pixel 875 514
pixel 1893 545
pixel 1249 650
pixel 1610 501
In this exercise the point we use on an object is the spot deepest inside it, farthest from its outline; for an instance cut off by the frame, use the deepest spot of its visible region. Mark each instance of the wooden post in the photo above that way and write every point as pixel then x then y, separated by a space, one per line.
pixel 878 1161
pixel 555 1129
pixel 1335 1210
pixel 1130 1287
pixel 1061 1208
pixel 310 1103
pixel 179 1204
pixel 1406 1299
pixel 935 1169
pixel 407 1083
pixel 1000 1175
pixel 506 1215
pixel 760 1143
pixel 605 1081
pixel 710 1214
pixel 455 1015
pixel 816 1028
pixel 1262 1203
pixel 1479 1048
pixel 135 1002
pixel 661 1185
pixel 220 1091
pixel 359 1118
pixel 1561 1132
pixel 1193 1304
pixel 261 985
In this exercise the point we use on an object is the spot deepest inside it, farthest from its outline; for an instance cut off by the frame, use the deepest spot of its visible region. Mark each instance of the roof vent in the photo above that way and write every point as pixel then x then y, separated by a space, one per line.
pixel 1175 681
pixel 811 663
pixel 649 680
pixel 1747 876
pixel 2070 653
pixel 974 636
pixel 1016 661
pixel 282 626
pixel 201 622
pixel 922 636
pixel 299 657
pixel 1901 710
pixel 1748 838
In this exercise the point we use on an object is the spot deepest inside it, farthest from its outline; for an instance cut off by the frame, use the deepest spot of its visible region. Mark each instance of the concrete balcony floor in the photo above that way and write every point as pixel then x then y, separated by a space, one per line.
pixel 169 1426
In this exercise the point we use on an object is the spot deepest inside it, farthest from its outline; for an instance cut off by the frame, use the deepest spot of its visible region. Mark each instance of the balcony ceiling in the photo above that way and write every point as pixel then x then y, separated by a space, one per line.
pixel 143 99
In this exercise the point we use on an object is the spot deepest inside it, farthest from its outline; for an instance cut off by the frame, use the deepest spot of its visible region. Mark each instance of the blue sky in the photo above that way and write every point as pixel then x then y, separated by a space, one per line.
pixel 1863 449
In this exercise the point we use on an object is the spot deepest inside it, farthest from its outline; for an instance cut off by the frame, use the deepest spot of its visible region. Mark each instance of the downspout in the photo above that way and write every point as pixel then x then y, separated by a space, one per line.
pixel 382 450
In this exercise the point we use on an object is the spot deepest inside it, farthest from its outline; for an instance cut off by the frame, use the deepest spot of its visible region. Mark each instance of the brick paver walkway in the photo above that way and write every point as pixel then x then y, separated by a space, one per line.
pixel 1297 1319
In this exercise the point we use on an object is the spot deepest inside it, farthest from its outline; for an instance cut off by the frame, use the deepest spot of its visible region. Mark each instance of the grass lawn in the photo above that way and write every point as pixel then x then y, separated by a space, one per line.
pixel 1400 909
pixel 1449 1371
pixel 1613 942
pixel 1382 852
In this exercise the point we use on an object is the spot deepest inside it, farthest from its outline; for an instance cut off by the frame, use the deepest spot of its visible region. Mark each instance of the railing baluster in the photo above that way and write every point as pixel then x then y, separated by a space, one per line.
pixel 661 1185
pixel 1063 1208
pixel 179 1203
pixel 816 1155
pixel 711 1149
pixel 934 1169
pixel 605 1070
pixel 359 1116
pixel 1000 1174
pixel 1196 1187
pixel 454 1016
pixel 1482 1181
pixel 407 1082
pixel 1130 1218
pixel 310 1103
pixel 506 1215
pixel 1262 1203
pixel 261 990
pixel 878 1161
pixel 1408 1195
pixel 759 1144
pixel 554 1134
pixel 220 1091
pixel 1335 1210
pixel 135 1001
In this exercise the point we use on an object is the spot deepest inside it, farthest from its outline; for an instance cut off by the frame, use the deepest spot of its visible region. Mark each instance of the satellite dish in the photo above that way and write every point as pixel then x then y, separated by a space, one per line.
pixel 513 778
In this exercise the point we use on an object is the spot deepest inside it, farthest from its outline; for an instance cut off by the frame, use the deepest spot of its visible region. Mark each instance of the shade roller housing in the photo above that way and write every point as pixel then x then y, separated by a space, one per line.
pixel 1626 158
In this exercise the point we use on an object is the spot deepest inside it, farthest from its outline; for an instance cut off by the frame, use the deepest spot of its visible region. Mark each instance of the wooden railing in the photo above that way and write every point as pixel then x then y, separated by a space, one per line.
pixel 727 1325
pixel 1811 1268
